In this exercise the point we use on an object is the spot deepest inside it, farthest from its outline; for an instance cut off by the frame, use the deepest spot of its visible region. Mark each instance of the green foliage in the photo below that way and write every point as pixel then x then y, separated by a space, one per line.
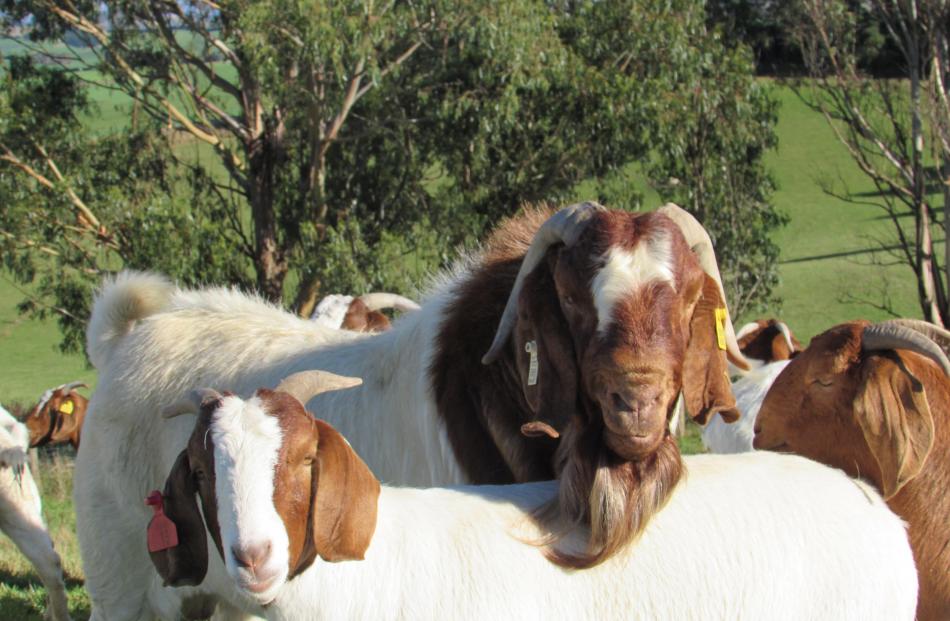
pixel 151 212
pixel 355 146
pixel 716 126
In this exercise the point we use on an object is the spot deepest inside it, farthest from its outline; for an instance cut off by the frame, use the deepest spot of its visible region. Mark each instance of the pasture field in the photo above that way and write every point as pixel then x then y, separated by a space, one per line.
pixel 828 268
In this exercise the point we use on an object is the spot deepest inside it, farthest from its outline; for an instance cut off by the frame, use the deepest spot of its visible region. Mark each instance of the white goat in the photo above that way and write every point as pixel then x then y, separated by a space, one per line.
pixel 21 513
pixel 750 390
pixel 810 543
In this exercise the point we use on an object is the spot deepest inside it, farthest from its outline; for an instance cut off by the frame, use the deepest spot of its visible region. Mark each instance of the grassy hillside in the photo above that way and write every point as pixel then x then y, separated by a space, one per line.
pixel 829 247
pixel 827 267
pixel 29 357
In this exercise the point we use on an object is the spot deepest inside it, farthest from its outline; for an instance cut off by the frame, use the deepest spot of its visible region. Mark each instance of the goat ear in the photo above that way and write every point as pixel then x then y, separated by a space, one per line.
pixel 344 504
pixel 892 410
pixel 186 563
pixel 706 386
pixel 544 354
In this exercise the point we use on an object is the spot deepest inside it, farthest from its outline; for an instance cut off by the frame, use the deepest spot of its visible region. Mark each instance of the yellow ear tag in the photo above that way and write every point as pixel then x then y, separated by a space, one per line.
pixel 66 407
pixel 721 327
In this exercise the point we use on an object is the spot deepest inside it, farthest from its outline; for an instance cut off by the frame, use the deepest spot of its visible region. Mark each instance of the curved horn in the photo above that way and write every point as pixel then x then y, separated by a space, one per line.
pixel 190 403
pixel 747 329
pixel 380 300
pixel 787 333
pixel 44 399
pixel 698 239
pixel 307 384
pixel 887 335
pixel 72 386
pixel 564 226
pixel 932 331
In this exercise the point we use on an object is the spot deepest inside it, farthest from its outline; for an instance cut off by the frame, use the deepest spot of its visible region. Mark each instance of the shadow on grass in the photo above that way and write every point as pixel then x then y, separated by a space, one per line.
pixel 847 253
pixel 23 581
pixel 23 598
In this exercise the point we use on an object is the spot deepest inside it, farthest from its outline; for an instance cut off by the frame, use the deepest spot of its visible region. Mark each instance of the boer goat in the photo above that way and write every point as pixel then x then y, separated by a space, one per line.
pixel 302 529
pixel 874 400
pixel 58 416
pixel 360 314
pixel 610 315
pixel 21 514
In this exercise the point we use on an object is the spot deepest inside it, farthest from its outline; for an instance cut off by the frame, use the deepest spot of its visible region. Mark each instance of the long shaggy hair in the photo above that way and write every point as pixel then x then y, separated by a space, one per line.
pixel 613 498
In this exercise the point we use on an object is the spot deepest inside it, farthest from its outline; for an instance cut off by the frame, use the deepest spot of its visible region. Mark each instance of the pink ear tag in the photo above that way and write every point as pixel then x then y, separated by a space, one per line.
pixel 162 533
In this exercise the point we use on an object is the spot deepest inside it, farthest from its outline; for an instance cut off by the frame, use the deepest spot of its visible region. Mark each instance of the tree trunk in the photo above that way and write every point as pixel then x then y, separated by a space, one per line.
pixel 307 294
pixel 270 261
pixel 927 285
pixel 925 274
pixel 945 276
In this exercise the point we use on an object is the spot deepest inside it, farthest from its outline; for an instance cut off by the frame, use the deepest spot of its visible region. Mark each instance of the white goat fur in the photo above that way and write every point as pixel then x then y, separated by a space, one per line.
pixel 21 513
pixel 749 390
pixel 810 543
pixel 151 342
pixel 829 544
pixel 331 310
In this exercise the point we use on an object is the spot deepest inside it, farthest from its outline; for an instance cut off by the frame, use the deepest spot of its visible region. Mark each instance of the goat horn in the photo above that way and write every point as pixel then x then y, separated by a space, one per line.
pixel 380 300
pixel 308 384
pixel 888 335
pixel 190 403
pixel 44 399
pixel 698 239
pixel 787 333
pixel 564 226
pixel 72 386
pixel 935 333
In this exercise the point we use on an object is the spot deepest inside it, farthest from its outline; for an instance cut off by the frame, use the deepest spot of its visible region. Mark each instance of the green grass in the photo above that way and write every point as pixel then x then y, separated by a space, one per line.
pixel 825 267
pixel 22 595
pixel 29 357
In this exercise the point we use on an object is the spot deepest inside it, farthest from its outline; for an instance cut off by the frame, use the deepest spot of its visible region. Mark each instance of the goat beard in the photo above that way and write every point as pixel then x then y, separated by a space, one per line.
pixel 613 498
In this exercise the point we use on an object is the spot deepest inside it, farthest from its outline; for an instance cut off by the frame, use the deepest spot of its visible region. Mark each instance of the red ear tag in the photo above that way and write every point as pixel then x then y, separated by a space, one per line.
pixel 162 533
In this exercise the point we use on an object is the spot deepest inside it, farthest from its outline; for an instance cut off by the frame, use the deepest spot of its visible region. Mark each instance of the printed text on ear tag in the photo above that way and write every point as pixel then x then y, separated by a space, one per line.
pixel 721 327
pixel 532 348
pixel 162 533
pixel 66 407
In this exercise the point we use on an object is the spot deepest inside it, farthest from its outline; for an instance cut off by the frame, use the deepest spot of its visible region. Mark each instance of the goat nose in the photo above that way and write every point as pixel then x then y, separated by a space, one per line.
pixel 251 556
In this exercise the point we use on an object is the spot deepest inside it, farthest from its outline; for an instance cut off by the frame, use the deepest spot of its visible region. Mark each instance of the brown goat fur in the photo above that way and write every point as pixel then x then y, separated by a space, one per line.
pixel 324 493
pixel 58 420
pixel 359 318
pixel 880 415
pixel 767 343
pixel 662 339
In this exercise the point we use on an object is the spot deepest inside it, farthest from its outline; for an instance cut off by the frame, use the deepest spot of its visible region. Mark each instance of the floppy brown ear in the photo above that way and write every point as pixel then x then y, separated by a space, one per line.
pixel 541 333
pixel 344 505
pixel 186 563
pixel 706 387
pixel 892 410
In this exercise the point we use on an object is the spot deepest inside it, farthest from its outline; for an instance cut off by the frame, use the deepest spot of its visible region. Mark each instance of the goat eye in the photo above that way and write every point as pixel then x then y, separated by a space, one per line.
pixel 569 300
pixel 823 382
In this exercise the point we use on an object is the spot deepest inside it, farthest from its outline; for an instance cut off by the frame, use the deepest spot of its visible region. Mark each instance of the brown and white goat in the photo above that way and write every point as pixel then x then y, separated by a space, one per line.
pixel 620 312
pixel 874 400
pixel 277 455
pixel 282 494
pixel 603 318
pixel 360 314
pixel 767 340
pixel 58 416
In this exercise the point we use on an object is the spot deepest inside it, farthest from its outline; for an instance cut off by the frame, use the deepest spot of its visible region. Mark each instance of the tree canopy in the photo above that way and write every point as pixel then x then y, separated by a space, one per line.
pixel 309 146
